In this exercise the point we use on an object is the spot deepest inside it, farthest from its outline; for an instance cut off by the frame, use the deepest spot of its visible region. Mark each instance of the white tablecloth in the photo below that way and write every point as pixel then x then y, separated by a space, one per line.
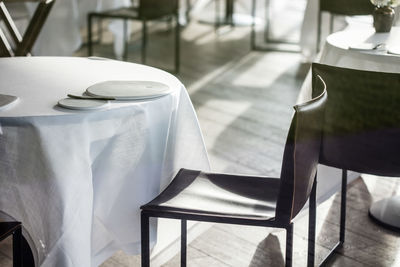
pixel 335 52
pixel 308 39
pixel 76 179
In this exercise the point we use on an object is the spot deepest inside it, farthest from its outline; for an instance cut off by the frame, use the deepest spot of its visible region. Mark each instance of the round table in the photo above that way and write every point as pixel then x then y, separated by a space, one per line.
pixel 76 179
pixel 337 52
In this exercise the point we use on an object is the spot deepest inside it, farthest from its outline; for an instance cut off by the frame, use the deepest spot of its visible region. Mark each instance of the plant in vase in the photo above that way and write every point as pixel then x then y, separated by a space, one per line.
pixel 384 14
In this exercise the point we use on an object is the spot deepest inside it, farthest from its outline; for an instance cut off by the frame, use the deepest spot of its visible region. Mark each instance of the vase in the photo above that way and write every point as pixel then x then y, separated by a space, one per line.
pixel 383 18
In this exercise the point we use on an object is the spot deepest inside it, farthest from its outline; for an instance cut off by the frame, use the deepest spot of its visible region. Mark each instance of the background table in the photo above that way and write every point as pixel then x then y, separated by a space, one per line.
pixel 308 39
pixel 76 179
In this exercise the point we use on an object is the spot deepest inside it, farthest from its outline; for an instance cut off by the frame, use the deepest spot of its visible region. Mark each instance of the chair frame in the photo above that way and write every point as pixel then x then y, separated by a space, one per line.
pixel 145 216
pixel 23 44
pixel 14 229
pixel 312 223
pixel 125 18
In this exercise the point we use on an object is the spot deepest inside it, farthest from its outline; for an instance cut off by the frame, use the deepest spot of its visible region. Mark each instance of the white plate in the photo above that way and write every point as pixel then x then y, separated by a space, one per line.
pixel 7 100
pixel 82 104
pixel 129 90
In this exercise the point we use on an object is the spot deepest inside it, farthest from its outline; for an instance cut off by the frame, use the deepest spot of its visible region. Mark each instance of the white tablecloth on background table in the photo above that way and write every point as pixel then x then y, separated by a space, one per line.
pixel 76 179
pixel 335 52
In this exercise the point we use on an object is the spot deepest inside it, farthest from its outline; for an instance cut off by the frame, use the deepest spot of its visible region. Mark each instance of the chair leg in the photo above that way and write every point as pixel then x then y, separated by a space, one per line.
pixel 145 235
pixel 89 34
pixel 183 242
pixel 177 44
pixel 125 29
pixel 331 23
pixel 17 248
pixel 289 245
pixel 312 224
pixel 253 26
pixel 343 207
pixel 217 22
pixel 319 31
pixel 339 244
pixel 144 41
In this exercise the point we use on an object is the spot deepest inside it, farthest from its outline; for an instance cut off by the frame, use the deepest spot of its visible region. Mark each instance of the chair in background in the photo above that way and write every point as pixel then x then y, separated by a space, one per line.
pixel 18 45
pixel 342 8
pixel 361 129
pixel 246 200
pixel 273 44
pixel 146 11
pixel 14 229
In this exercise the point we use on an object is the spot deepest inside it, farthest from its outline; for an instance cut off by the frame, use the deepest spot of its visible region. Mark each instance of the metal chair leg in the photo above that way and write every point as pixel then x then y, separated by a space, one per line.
pixel 183 242
pixel 177 45
pixel 144 41
pixel 253 26
pixel 339 244
pixel 331 23
pixel 145 235
pixel 125 29
pixel 17 248
pixel 89 34
pixel 343 206
pixel 289 245
pixel 312 225
pixel 217 21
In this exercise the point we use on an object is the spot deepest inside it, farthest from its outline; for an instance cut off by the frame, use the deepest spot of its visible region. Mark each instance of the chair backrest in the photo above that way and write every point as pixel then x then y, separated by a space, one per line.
pixel 154 9
pixel 301 155
pixel 22 46
pixel 362 120
pixel 347 7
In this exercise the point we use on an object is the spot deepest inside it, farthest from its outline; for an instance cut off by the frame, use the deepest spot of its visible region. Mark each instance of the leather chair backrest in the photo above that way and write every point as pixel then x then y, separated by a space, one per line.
pixel 301 155
pixel 153 9
pixel 362 120
pixel 347 7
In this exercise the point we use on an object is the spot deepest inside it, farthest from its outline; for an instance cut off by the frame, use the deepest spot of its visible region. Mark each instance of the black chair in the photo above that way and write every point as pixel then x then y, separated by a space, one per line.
pixel 14 229
pixel 361 129
pixel 246 200
pixel 341 8
pixel 146 11
pixel 22 46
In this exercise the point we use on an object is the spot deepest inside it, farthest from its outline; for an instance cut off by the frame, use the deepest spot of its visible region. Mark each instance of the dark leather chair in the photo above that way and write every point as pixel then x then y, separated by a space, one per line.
pixel 147 10
pixel 342 8
pixel 246 200
pixel 14 229
pixel 361 129
pixel 22 45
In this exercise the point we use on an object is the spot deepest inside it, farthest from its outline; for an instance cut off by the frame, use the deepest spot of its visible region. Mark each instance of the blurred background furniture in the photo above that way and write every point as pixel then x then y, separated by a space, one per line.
pixel 246 200
pixel 94 167
pixel 314 27
pixel 147 10
pixel 18 45
pixel 361 129
pixel 341 8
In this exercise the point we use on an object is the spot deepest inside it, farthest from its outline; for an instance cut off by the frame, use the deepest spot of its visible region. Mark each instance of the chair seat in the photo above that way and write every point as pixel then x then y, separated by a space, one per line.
pixel 123 12
pixel 7 228
pixel 196 192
